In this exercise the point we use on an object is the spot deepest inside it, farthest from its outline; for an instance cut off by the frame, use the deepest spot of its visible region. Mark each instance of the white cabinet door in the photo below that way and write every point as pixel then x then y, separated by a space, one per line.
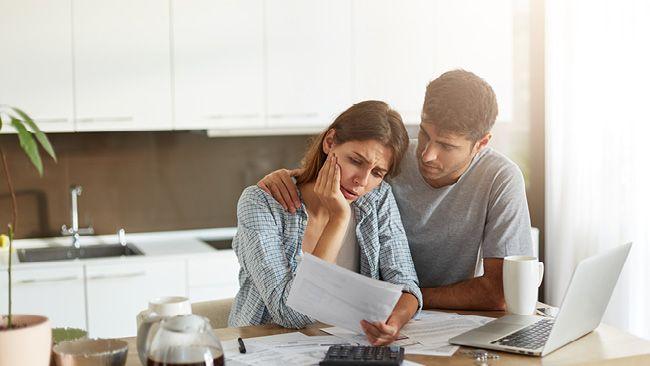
pixel 308 46
pixel 122 65
pixel 478 36
pixel 394 52
pixel 218 64
pixel 36 61
pixel 57 293
pixel 213 277
pixel 116 293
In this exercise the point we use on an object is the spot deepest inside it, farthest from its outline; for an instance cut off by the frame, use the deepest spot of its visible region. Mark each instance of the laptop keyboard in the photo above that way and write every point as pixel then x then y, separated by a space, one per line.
pixel 531 337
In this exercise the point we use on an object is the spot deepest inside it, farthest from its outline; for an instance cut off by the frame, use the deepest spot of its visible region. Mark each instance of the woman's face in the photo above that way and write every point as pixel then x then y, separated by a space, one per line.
pixel 363 165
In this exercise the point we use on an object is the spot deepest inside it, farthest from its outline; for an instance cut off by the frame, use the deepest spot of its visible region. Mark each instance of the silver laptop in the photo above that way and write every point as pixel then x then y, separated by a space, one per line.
pixel 582 310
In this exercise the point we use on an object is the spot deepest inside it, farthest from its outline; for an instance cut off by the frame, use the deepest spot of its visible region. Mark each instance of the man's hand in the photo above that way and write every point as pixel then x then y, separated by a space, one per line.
pixel 281 187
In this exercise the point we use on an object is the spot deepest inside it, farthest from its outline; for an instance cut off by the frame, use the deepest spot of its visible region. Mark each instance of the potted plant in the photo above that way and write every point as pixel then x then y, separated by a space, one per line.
pixel 24 339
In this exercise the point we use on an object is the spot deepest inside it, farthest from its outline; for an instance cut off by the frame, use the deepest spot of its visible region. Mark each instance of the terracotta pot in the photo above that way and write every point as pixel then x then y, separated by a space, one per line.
pixel 29 345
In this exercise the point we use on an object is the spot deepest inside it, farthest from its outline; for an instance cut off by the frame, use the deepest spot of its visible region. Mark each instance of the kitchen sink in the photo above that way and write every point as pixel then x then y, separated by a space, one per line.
pixel 68 253
pixel 221 244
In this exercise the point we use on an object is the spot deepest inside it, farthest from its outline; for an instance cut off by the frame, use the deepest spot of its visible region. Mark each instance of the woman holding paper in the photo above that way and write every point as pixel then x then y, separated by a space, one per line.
pixel 348 217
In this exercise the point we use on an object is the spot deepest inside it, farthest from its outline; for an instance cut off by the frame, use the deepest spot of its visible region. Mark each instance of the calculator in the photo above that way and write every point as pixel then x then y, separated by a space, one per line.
pixel 341 355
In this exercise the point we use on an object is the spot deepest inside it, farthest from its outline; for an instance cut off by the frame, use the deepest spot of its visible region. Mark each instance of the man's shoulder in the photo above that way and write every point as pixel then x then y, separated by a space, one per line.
pixel 496 166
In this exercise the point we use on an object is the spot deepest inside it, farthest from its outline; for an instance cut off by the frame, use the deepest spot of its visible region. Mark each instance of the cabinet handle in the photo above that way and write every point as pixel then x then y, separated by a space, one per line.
pixel 119 275
pixel 232 116
pixel 294 115
pixel 51 120
pixel 105 119
pixel 47 280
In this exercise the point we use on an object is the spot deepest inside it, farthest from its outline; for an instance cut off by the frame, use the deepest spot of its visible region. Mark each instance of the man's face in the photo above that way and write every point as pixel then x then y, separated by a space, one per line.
pixel 444 157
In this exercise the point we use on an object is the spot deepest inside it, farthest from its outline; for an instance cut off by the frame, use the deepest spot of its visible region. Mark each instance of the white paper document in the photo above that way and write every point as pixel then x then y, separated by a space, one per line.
pixel 337 296
pixel 428 334
pixel 280 350
pixel 432 331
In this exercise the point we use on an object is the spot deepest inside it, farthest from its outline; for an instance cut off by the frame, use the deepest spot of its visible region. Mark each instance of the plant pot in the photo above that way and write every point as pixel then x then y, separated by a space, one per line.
pixel 28 345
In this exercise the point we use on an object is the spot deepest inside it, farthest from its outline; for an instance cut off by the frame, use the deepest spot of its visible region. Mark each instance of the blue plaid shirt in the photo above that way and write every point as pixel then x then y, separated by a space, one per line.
pixel 268 245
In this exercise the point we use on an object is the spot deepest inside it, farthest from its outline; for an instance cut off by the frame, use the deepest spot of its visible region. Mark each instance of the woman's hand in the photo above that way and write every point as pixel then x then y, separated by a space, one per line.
pixel 383 333
pixel 380 333
pixel 328 189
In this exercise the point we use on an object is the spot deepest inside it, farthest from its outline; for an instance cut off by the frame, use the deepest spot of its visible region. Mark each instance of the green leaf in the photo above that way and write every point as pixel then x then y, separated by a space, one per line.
pixel 40 136
pixel 28 144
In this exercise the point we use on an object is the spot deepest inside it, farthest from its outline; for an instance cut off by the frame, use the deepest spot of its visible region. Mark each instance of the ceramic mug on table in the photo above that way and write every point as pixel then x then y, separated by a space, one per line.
pixel 148 320
pixel 522 276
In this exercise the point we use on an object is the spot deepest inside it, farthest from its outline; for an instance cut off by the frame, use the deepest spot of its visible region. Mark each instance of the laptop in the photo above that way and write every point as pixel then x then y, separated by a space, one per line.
pixel 582 310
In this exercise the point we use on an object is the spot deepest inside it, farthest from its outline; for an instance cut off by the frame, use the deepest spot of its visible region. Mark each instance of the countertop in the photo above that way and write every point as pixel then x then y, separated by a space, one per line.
pixel 153 245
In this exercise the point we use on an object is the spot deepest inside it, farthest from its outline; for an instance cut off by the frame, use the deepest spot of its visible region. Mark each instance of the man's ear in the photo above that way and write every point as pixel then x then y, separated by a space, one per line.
pixel 328 141
pixel 480 144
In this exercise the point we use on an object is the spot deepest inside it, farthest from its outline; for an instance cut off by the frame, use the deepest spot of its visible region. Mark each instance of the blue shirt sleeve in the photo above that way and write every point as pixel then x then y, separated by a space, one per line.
pixel 261 253
pixel 395 261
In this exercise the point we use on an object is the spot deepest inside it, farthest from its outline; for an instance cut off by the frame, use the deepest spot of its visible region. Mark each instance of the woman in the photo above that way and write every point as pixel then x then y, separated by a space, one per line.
pixel 348 216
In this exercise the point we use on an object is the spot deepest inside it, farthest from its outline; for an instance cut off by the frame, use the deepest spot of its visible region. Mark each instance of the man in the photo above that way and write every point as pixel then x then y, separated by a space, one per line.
pixel 459 199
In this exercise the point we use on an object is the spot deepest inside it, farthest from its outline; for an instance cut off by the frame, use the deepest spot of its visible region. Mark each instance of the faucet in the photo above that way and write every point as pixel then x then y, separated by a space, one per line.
pixel 75 231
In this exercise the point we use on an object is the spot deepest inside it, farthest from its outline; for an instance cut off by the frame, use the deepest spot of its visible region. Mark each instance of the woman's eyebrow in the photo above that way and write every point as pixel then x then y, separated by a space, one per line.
pixel 367 161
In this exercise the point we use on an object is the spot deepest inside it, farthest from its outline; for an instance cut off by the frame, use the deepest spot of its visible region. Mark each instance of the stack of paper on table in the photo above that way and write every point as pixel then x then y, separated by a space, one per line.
pixel 426 335
pixel 282 350
pixel 339 297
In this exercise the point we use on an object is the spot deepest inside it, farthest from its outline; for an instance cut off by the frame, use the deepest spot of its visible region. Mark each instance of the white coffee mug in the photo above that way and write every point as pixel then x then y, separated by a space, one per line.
pixel 165 306
pixel 521 278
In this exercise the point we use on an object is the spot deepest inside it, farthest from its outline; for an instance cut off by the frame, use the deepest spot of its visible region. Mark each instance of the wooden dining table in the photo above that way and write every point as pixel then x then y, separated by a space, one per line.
pixel 606 345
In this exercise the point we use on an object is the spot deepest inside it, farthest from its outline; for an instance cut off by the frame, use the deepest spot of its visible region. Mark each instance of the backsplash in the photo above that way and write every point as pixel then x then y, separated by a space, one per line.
pixel 141 181
pixel 154 181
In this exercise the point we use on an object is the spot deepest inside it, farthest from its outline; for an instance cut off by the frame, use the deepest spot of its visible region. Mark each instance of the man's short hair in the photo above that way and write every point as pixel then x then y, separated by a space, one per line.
pixel 462 103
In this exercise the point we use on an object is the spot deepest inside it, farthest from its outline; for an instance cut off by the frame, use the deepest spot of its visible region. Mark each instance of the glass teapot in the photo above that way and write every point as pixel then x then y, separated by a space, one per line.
pixel 184 340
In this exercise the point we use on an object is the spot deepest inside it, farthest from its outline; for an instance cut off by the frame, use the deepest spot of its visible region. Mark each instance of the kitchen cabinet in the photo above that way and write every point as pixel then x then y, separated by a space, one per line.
pixel 213 277
pixel 218 64
pixel 400 46
pixel 36 62
pixel 116 293
pixel 394 53
pixel 478 36
pixel 248 66
pixel 308 61
pixel 122 67
pixel 56 293
pixel 104 295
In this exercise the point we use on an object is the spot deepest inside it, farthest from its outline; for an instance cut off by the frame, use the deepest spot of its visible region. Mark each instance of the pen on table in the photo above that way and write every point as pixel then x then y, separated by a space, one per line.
pixel 242 348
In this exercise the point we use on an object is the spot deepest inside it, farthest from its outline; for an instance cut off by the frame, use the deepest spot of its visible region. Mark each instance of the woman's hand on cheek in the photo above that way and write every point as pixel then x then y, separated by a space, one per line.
pixel 328 189
pixel 379 333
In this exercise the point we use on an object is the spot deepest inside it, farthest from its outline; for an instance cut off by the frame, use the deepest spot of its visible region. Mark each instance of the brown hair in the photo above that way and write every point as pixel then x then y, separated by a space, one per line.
pixel 368 120
pixel 462 103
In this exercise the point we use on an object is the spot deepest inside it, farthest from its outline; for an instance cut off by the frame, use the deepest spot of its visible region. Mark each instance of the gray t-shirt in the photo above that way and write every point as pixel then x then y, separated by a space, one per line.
pixel 485 209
